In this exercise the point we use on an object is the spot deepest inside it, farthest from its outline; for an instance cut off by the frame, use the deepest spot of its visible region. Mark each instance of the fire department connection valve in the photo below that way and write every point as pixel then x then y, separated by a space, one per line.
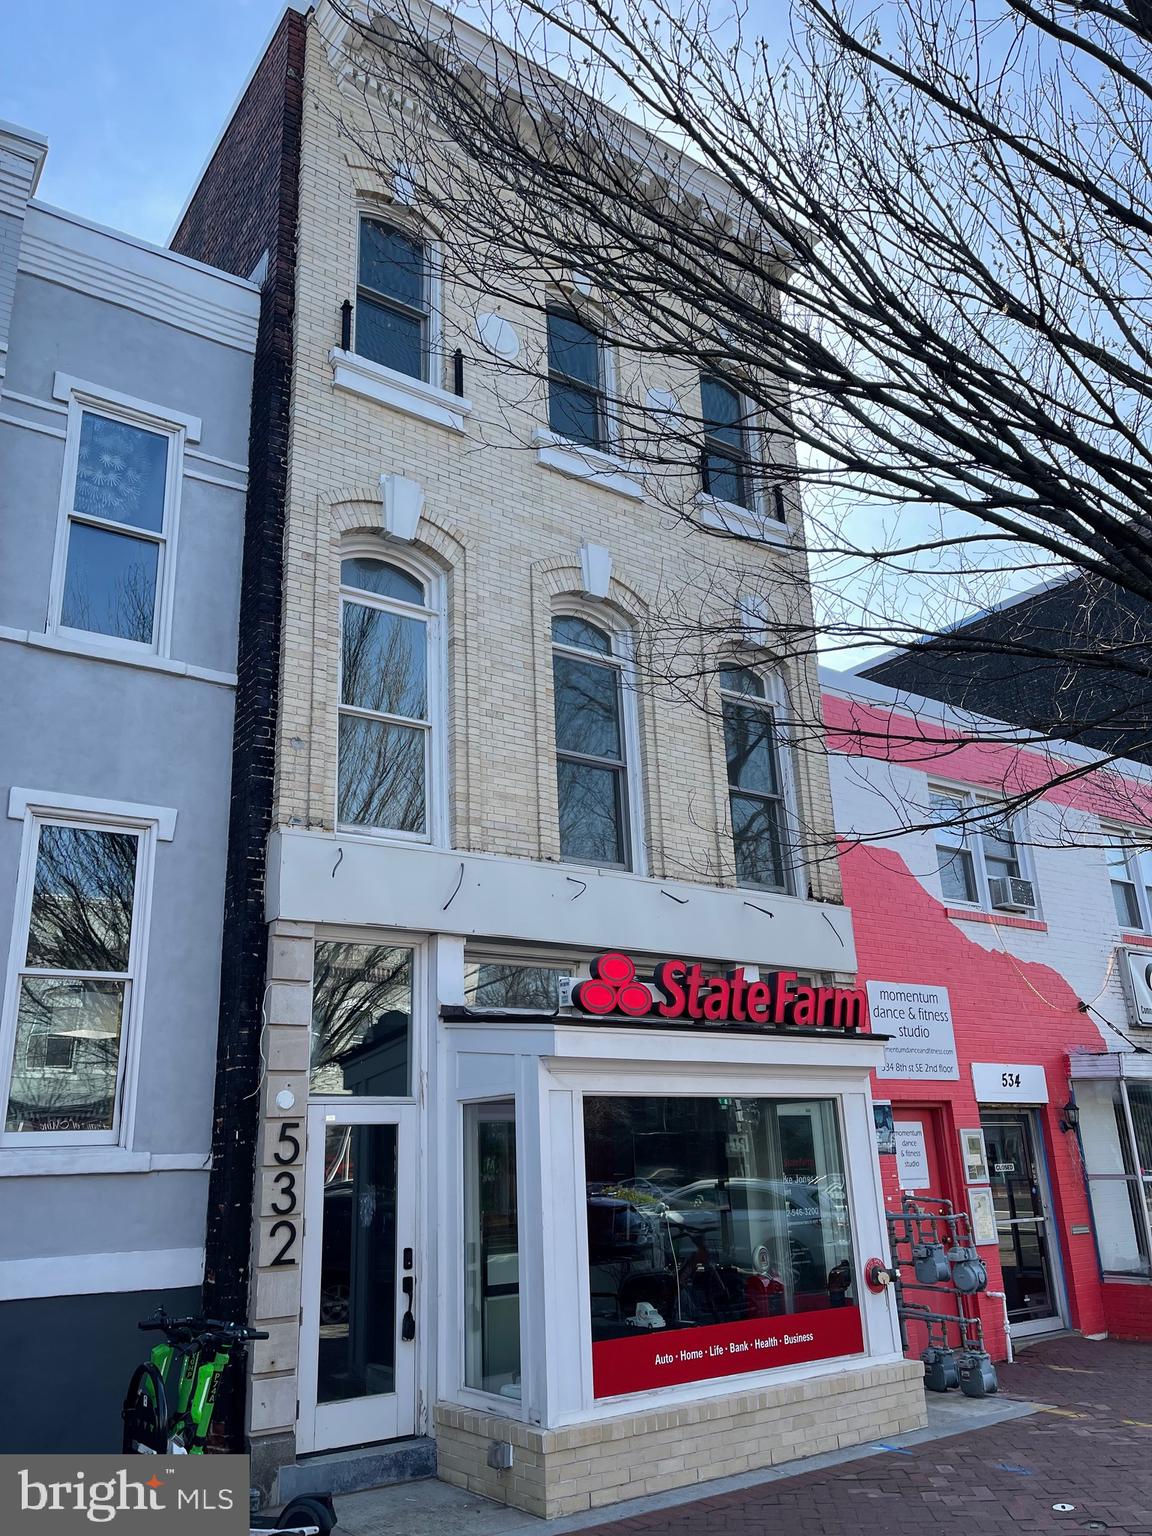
pixel 878 1276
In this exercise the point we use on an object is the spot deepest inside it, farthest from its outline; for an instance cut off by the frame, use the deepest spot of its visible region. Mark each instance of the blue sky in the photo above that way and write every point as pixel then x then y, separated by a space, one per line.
pixel 131 95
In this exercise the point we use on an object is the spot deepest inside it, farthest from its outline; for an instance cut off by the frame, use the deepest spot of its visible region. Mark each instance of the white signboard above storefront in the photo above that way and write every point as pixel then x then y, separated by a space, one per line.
pixel 1009 1082
pixel 919 1020
pixel 911 1155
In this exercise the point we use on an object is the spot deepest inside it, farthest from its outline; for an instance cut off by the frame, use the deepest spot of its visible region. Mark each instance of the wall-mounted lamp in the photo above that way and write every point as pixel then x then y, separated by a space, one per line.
pixel 1069 1117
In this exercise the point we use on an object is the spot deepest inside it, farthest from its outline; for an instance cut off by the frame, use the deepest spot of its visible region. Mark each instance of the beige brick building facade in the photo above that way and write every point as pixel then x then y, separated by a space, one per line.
pixel 505 527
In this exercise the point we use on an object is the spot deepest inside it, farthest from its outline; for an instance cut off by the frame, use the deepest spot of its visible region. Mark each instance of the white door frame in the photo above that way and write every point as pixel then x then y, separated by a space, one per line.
pixel 1057 1322
pixel 383 1416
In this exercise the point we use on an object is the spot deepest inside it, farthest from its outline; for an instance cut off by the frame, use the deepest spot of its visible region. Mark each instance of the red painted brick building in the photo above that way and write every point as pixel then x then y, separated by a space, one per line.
pixel 1043 1114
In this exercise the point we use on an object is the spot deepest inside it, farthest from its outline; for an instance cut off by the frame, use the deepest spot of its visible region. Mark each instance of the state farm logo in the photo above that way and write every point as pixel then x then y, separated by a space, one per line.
pixel 681 990
pixel 613 988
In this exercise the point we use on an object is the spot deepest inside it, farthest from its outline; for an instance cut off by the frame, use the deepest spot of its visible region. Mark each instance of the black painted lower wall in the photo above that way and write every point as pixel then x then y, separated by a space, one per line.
pixel 65 1363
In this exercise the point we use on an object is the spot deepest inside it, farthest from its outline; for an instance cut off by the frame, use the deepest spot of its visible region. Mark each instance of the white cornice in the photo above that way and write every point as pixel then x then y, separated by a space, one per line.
pixel 60 248
pixel 22 155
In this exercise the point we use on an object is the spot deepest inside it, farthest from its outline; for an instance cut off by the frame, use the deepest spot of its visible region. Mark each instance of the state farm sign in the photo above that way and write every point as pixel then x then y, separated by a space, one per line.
pixel 680 990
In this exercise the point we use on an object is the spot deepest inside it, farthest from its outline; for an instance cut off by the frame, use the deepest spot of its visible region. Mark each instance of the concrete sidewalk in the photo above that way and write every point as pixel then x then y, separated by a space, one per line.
pixel 411 1509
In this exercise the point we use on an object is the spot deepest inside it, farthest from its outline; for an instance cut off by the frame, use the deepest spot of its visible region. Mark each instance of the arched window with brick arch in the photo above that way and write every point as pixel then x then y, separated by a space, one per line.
pixel 391 692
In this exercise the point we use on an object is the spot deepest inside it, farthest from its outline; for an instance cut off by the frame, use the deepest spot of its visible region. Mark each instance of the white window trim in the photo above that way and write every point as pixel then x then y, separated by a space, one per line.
pixel 46 807
pixel 174 425
pixel 776 700
pixel 971 838
pixel 623 658
pixel 436 753
pixel 1129 839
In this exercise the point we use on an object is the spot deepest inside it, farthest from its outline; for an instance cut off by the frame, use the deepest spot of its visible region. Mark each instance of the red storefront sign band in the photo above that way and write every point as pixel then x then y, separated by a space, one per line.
pixel 668 1357
pixel 682 991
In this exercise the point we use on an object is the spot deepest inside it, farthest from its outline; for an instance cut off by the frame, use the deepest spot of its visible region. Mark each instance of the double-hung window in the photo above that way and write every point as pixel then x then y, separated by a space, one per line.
pixel 725 463
pixel 756 790
pixel 387 698
pixel 76 965
pixel 591 744
pixel 120 493
pixel 393 305
pixel 577 405
pixel 975 847
pixel 1130 871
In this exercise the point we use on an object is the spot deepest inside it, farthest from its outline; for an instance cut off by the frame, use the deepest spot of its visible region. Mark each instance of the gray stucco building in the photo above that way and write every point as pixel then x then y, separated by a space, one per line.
pixel 126 380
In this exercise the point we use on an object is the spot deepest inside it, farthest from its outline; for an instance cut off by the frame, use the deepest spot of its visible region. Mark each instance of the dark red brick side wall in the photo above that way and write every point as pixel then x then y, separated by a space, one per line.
pixel 246 204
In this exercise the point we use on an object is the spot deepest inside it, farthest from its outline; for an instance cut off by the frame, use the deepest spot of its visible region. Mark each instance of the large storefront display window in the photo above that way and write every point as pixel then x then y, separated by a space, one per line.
pixel 1116 1134
pixel 719 1238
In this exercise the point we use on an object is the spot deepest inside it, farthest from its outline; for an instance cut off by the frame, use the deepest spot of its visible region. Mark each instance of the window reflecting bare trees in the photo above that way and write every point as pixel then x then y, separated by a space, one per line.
pixel 384 710
pixel 361 1019
pixel 591 766
pixel 75 982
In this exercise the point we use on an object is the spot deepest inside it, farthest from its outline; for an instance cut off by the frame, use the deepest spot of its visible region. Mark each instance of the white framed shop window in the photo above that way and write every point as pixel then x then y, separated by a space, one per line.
pixel 114 568
pixel 74 991
pixel 371 995
pixel 392 757
pixel 491 1355
pixel 552 1080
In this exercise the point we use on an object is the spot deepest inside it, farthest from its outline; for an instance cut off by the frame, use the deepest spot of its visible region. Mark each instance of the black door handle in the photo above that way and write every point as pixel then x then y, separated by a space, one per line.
pixel 408 1322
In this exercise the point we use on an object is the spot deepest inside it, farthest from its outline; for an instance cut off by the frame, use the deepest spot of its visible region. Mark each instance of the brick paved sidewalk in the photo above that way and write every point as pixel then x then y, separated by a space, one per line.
pixel 1091 1448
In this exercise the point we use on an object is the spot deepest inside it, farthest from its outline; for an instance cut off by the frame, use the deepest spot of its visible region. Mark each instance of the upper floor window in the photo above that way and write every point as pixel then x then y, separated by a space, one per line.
pixel 76 964
pixel 387 697
pixel 393 304
pixel 1130 871
pixel 756 789
pixel 114 545
pixel 591 743
pixel 981 864
pixel 577 405
pixel 725 464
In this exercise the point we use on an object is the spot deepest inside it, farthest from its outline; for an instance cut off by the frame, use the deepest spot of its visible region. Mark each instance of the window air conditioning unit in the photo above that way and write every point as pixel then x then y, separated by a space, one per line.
pixel 1011 894
pixel 1135 967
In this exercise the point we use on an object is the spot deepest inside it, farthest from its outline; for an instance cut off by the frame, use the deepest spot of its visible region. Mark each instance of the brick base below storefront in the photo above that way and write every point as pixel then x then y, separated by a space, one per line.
pixel 1127 1309
pixel 625 1456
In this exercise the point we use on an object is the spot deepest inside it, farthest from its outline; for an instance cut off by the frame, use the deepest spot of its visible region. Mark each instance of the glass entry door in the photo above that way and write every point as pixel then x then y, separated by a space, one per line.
pixel 1022 1221
pixel 358 1326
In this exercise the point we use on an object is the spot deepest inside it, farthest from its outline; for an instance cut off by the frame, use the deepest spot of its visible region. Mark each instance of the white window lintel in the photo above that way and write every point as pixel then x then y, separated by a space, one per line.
pixel 162 817
pixel 65 386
